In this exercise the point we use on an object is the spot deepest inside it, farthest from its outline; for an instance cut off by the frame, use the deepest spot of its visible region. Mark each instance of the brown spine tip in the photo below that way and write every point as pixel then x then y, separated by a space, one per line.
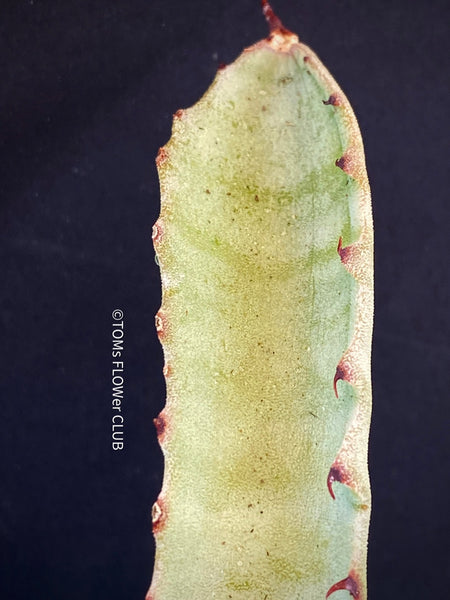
pixel 178 114
pixel 161 157
pixel 349 163
pixel 160 425
pixel 333 100
pixel 349 583
pixel 158 515
pixel 160 324
pixel 341 163
pixel 221 66
pixel 157 232
pixel 344 252
pixel 275 24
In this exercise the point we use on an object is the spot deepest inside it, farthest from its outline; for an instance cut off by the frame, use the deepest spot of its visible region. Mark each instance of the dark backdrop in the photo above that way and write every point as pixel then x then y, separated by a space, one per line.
pixel 87 95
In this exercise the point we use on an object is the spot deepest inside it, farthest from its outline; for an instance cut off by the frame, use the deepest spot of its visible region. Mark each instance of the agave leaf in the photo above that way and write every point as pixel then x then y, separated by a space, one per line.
pixel 265 246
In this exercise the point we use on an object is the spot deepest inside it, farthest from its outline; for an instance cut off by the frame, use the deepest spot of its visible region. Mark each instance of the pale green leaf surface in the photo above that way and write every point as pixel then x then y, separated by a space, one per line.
pixel 257 311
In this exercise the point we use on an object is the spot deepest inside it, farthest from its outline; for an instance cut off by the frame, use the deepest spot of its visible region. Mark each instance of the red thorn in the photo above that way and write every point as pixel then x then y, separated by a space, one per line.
pixel 221 66
pixel 348 162
pixel 343 372
pixel 349 584
pixel 157 232
pixel 334 475
pixel 274 22
pixel 160 324
pixel 167 370
pixel 158 514
pixel 333 100
pixel 340 374
pixel 339 247
pixel 339 473
pixel 160 425
pixel 161 157
pixel 345 252
pixel 178 114
pixel 341 162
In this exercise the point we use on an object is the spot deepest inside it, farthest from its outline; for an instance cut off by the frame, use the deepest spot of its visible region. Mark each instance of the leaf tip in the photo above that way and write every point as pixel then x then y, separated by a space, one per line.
pixel 272 19
pixel 279 38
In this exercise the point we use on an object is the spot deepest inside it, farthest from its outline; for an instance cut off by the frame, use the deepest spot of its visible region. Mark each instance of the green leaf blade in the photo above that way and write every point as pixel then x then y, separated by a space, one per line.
pixel 259 308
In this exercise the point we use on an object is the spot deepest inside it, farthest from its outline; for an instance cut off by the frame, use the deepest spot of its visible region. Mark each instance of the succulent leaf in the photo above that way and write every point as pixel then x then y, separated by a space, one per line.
pixel 265 247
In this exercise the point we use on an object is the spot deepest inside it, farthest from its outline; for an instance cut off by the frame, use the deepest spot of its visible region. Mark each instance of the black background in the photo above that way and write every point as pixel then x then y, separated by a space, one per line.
pixel 87 95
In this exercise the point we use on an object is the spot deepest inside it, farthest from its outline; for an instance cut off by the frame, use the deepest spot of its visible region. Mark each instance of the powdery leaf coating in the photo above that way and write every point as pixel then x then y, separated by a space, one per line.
pixel 265 246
